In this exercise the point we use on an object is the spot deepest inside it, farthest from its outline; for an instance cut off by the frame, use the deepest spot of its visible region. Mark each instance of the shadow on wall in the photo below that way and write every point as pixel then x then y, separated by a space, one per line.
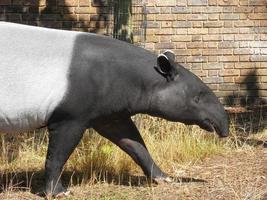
pixel 58 14
pixel 251 117
pixel 110 17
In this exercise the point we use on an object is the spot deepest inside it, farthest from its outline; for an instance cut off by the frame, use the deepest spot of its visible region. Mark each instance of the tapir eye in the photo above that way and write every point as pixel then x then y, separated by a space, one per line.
pixel 197 98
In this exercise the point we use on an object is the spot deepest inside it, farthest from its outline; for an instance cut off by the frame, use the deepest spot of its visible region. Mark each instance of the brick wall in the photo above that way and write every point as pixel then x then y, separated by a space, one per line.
pixel 79 15
pixel 222 41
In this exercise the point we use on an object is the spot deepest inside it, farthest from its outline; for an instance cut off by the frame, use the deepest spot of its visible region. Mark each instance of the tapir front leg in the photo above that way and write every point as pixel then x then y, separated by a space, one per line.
pixel 63 138
pixel 124 134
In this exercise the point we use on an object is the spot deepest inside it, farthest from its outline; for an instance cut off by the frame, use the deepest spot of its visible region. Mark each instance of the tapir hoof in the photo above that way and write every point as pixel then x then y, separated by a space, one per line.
pixel 162 180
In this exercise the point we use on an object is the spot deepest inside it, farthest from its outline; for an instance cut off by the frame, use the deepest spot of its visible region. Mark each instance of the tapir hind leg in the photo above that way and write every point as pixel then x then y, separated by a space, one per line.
pixel 125 135
pixel 63 138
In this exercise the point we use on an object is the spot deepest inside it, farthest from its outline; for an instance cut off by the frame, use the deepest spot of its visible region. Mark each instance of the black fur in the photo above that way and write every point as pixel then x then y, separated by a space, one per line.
pixel 109 82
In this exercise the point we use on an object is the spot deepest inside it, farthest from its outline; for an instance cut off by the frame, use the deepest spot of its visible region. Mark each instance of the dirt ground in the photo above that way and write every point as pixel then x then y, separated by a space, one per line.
pixel 239 175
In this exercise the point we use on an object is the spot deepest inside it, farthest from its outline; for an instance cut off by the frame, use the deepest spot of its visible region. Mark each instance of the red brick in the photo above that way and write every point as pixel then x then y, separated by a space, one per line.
pixel 244 58
pixel 258 58
pixel 164 10
pixel 228 79
pixel 197 17
pixel 243 2
pixel 213 24
pixel 245 31
pixel 243 51
pixel 165 39
pixel 197 2
pixel 166 3
pixel 215 30
pixel 182 24
pixel 165 17
pixel 152 10
pixel 262 72
pixel 213 59
pixel 264 51
pixel 84 2
pixel 85 10
pixel 228 44
pixel 197 31
pixel 207 52
pixel 260 9
pixel 212 79
pixel 177 10
pixel 168 45
pixel 227 52
pixel 200 73
pixel 227 2
pixel 196 52
pixel 257 16
pixel 197 24
pixel 196 38
pixel 229 65
pixel 212 37
pixel 228 24
pixel 213 73
pixel 229 16
pixel 196 59
pixel 195 66
pixel 229 72
pixel 214 9
pixel 213 66
pixel 243 9
pixel 181 3
pixel 212 2
pixel 213 86
pixel 244 23
pixel 245 65
pixel 211 45
pixel 182 52
pixel 228 58
pixel 193 45
pixel 264 79
pixel 257 2
pixel 166 31
pixel 180 45
pixel 181 38
pixel 228 87
pixel 213 16
pixel 181 31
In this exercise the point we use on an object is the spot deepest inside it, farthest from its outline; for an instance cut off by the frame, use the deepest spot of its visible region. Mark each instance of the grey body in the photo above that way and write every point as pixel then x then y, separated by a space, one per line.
pixel 91 81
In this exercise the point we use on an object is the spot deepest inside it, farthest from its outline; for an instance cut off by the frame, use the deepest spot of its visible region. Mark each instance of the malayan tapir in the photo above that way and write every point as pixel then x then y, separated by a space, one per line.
pixel 69 81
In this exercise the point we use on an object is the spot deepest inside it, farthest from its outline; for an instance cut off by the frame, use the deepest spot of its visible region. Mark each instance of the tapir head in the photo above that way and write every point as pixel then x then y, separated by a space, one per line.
pixel 183 97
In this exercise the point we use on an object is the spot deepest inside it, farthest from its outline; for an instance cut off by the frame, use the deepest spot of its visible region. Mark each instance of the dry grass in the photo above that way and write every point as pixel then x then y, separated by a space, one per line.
pixel 175 147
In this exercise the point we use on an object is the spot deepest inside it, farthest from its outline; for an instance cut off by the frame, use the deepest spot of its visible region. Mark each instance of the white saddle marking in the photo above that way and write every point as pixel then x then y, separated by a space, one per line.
pixel 34 65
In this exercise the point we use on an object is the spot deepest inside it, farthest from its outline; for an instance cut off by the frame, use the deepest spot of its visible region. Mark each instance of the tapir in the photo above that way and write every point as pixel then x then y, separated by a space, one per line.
pixel 70 81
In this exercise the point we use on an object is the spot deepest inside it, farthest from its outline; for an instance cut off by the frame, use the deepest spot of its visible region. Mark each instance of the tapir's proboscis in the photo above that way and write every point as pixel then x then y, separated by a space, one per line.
pixel 69 81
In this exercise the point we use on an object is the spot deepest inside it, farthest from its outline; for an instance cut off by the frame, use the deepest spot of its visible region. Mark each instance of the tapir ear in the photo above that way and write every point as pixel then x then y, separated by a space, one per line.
pixel 170 54
pixel 164 67
pixel 164 64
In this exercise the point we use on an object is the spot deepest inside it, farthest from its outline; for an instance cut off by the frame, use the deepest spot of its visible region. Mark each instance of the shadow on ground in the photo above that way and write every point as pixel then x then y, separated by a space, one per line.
pixel 34 181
